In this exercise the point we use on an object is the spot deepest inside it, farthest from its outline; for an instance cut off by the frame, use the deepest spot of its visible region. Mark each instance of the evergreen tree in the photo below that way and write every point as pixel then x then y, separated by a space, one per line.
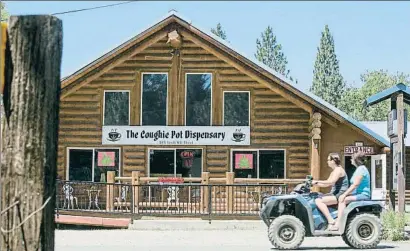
pixel 219 31
pixel 327 81
pixel 4 13
pixel 269 52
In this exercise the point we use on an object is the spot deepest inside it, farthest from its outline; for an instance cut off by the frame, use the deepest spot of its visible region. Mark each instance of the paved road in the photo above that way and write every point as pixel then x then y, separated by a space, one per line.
pixel 179 240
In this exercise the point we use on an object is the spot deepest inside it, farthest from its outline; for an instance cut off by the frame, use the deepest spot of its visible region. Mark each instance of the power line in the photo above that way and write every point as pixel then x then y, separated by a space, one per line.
pixel 92 8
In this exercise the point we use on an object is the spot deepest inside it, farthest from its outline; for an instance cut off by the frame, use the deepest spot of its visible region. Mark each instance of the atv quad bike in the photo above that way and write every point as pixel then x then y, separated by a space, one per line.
pixel 293 216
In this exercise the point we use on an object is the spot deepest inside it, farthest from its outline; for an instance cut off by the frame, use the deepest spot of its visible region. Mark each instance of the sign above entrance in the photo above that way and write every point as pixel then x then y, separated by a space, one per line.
pixel 368 150
pixel 176 135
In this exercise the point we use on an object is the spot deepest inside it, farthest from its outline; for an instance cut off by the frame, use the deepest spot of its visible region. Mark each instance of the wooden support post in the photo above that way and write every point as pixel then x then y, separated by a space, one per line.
pixel 392 172
pixel 230 176
pixel 315 138
pixel 110 190
pixel 205 192
pixel 401 151
pixel 136 189
pixel 30 132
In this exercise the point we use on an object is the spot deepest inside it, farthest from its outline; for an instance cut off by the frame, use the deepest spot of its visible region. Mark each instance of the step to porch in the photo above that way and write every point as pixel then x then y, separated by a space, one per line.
pixel 93 221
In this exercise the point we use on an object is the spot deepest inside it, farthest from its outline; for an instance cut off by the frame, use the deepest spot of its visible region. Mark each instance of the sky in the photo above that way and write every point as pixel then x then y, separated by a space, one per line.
pixel 368 35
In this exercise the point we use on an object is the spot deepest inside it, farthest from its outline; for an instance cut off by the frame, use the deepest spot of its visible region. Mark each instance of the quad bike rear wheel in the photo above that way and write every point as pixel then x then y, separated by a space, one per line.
pixel 286 232
pixel 363 231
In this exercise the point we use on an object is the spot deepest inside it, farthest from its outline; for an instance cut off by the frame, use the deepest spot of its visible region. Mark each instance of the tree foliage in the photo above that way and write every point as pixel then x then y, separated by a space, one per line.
pixel 327 81
pixel 270 52
pixel 219 31
pixel 4 13
pixel 373 82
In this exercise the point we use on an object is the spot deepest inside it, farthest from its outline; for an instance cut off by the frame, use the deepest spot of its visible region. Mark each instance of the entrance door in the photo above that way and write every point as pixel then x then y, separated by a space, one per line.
pixel 378 177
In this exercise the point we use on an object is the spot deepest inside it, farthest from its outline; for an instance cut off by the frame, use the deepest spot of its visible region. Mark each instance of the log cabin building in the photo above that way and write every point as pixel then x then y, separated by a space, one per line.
pixel 177 101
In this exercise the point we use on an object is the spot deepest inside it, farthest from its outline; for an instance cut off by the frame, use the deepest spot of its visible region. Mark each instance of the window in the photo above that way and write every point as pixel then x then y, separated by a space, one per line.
pixel 198 104
pixel 236 108
pixel 264 164
pixel 271 164
pixel 92 164
pixel 116 108
pixel 175 162
pixel 154 99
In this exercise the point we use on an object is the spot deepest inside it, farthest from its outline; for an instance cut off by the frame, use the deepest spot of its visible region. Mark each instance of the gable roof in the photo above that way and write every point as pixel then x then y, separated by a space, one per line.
pixel 258 66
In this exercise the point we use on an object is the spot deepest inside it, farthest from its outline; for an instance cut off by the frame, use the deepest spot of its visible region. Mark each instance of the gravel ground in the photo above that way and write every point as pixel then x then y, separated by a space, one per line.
pixel 180 240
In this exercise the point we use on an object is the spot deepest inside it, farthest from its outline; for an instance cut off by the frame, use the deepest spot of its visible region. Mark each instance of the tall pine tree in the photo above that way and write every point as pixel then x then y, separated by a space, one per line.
pixel 219 31
pixel 269 52
pixel 4 13
pixel 327 81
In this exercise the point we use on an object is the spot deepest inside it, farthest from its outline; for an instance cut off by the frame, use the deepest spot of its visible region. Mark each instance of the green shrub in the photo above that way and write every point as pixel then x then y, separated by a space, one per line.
pixel 393 225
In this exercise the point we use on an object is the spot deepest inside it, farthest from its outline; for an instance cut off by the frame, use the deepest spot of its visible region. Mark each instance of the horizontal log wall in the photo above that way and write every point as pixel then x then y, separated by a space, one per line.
pixel 275 122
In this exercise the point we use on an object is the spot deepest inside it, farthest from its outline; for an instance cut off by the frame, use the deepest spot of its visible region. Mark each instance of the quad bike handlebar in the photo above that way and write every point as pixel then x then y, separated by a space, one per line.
pixel 303 188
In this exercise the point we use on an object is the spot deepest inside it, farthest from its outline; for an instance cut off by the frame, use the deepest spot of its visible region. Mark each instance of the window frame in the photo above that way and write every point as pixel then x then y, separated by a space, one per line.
pixel 175 157
pixel 249 106
pixel 186 92
pixel 257 160
pixel 93 162
pixel 129 104
pixel 142 96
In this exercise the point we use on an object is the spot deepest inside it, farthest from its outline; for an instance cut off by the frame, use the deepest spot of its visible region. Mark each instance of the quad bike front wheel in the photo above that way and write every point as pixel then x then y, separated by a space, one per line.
pixel 363 231
pixel 286 232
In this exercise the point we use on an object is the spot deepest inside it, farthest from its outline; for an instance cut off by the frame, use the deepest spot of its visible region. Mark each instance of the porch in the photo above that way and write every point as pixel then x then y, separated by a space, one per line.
pixel 138 196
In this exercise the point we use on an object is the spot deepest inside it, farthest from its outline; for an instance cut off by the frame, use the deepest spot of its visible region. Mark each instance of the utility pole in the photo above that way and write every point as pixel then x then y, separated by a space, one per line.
pixel 30 132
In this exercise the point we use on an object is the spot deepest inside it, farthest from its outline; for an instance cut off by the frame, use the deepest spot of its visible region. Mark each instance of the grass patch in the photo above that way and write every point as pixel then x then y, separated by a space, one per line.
pixel 393 225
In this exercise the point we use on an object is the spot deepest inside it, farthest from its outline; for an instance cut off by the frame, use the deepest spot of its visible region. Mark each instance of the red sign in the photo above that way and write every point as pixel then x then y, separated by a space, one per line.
pixel 173 180
pixel 368 150
pixel 188 158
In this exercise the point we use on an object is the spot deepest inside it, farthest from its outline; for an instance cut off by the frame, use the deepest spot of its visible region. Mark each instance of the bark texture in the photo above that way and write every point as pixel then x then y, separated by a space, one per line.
pixel 30 131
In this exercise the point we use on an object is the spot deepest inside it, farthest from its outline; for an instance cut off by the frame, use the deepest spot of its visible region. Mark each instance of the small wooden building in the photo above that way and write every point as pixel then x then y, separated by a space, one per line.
pixel 176 101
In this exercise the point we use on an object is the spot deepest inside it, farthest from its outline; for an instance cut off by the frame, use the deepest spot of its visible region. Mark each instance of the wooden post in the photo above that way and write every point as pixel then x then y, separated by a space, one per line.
pixel 30 132
pixel 136 189
pixel 392 200
pixel 230 176
pixel 205 192
pixel 401 151
pixel 315 138
pixel 110 190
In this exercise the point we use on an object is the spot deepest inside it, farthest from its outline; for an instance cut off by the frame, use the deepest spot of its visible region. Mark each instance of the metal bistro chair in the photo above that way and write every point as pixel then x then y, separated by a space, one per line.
pixel 173 195
pixel 121 201
pixel 68 196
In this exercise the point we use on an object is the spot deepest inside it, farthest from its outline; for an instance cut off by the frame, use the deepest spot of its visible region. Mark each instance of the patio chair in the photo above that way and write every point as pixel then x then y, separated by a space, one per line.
pixel 68 196
pixel 173 196
pixel 121 201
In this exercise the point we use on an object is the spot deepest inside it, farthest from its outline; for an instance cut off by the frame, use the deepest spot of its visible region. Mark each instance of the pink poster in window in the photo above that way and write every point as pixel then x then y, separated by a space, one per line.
pixel 243 161
pixel 106 158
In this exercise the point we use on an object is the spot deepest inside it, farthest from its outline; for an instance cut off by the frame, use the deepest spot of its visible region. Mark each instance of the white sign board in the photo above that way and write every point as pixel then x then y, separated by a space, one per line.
pixel 368 150
pixel 176 135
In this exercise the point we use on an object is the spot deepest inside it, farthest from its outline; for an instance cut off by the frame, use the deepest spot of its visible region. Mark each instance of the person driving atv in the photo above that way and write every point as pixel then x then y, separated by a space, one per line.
pixel 359 188
pixel 339 182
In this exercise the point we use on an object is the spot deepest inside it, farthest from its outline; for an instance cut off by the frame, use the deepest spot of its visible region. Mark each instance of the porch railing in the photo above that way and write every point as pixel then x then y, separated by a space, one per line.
pixel 138 195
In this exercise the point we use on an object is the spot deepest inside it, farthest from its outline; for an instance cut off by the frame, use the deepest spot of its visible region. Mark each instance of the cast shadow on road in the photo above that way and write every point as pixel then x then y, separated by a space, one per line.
pixel 340 248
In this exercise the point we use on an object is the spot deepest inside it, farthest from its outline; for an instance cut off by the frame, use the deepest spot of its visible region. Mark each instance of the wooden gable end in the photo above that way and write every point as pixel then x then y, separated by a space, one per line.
pixel 277 119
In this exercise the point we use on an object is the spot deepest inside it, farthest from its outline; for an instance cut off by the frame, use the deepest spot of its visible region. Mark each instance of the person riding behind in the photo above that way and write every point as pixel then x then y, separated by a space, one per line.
pixel 360 188
pixel 339 182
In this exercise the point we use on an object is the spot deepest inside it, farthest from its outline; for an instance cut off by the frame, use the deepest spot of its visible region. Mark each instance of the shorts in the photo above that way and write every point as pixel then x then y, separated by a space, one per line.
pixel 331 194
pixel 361 196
